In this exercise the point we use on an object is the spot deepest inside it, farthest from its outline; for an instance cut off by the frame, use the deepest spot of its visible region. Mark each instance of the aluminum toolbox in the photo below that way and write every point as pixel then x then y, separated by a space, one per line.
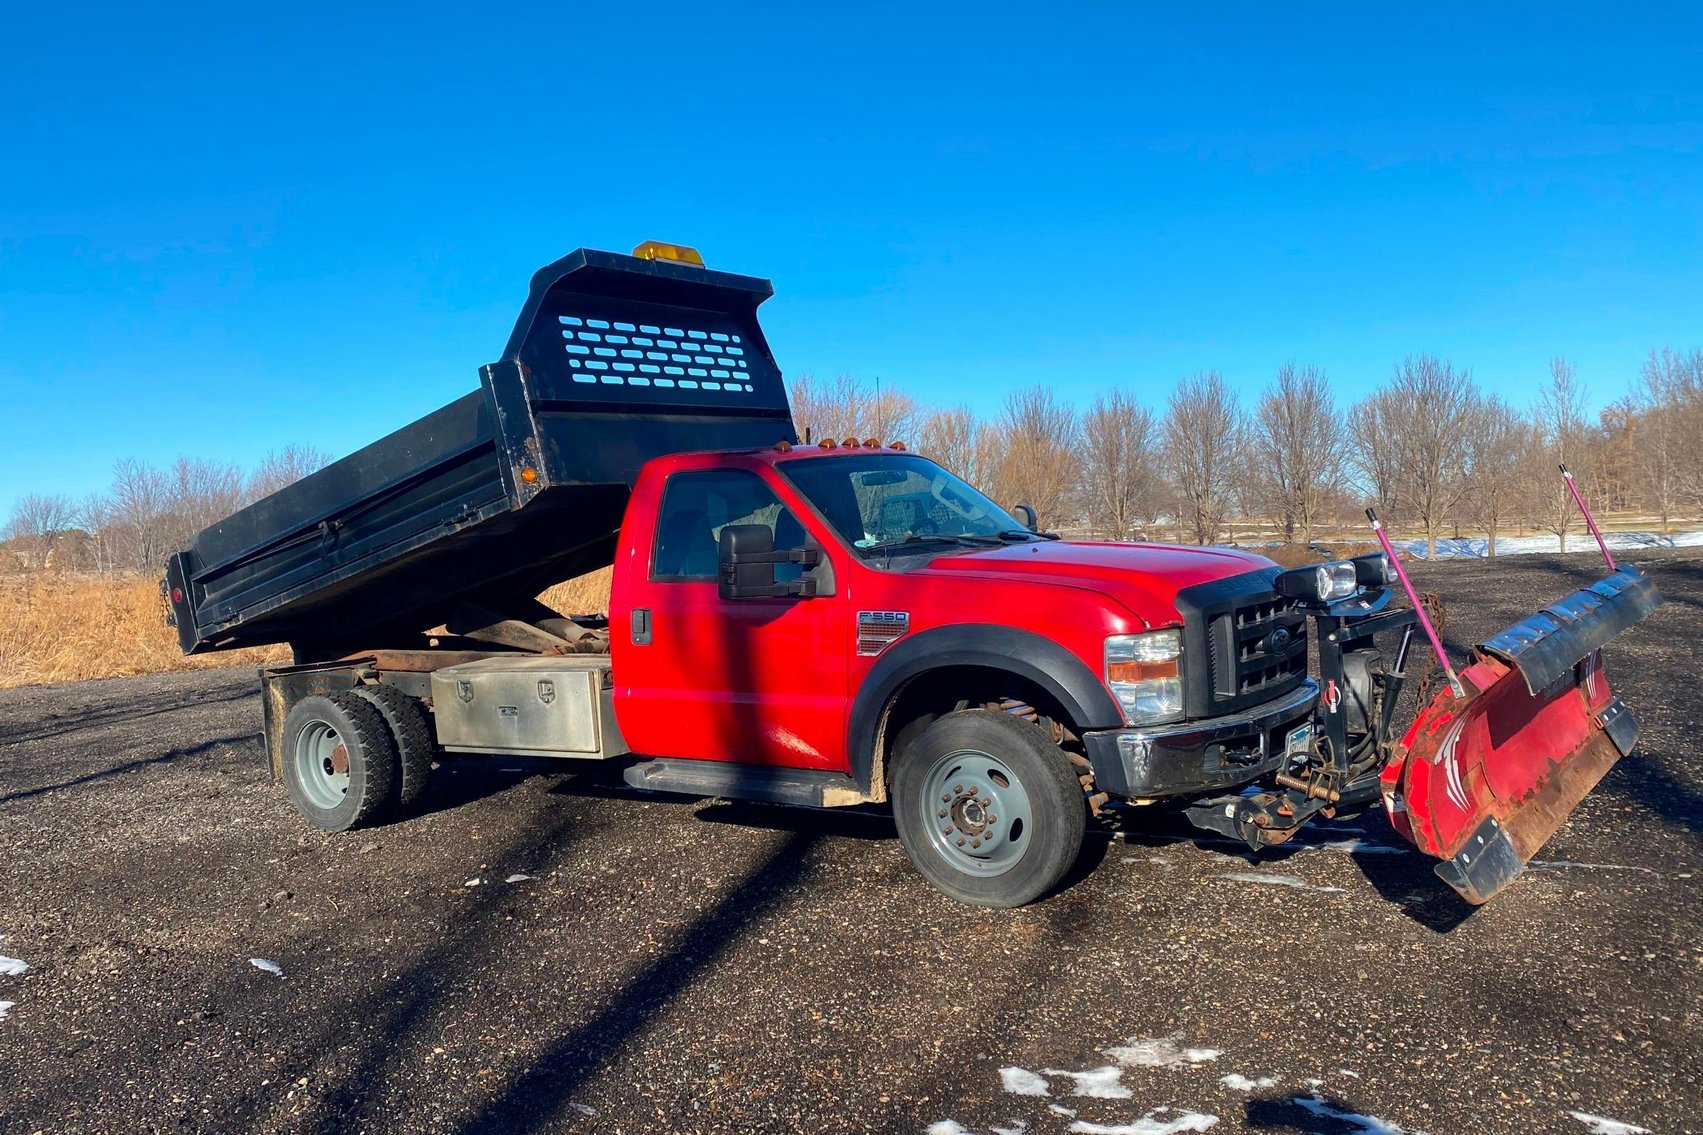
pixel 526 705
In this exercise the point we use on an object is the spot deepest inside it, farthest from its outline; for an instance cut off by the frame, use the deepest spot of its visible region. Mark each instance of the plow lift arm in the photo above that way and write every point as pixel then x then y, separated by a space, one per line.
pixel 1493 764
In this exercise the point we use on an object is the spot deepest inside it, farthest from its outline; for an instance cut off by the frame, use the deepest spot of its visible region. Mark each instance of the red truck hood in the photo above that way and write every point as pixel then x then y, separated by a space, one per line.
pixel 1143 577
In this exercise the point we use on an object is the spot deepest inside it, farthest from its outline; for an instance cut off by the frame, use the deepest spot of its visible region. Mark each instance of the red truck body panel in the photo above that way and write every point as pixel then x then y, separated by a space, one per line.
pixel 770 681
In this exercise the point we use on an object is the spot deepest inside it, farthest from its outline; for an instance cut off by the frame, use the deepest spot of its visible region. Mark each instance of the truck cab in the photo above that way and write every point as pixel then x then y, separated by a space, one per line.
pixel 829 623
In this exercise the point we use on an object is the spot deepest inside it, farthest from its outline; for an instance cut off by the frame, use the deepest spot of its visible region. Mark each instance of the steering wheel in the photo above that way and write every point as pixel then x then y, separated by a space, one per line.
pixel 967 509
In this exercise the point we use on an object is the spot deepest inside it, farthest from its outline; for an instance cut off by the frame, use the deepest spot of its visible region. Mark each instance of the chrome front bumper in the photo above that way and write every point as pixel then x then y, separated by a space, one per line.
pixel 1191 758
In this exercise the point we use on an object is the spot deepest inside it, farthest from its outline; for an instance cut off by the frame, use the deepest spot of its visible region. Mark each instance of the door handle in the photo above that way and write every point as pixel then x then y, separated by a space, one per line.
pixel 641 626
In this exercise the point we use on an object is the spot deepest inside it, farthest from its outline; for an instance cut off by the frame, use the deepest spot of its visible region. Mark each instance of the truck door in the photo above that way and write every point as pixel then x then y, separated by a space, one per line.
pixel 754 680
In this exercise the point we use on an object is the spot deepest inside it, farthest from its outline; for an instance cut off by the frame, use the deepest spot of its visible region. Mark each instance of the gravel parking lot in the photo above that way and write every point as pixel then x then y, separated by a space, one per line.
pixel 545 950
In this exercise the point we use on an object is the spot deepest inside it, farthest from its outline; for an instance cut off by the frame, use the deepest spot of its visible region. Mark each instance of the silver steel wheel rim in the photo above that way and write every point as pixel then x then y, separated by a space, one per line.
pixel 976 812
pixel 317 761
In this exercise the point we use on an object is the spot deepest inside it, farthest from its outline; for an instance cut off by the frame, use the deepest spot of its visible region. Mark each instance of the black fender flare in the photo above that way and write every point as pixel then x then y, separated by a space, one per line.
pixel 1027 655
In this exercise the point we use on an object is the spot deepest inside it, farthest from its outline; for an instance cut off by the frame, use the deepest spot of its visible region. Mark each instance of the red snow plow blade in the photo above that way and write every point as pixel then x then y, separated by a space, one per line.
pixel 1484 778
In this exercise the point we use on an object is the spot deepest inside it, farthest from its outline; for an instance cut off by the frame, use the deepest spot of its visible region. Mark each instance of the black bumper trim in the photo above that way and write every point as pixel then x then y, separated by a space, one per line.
pixel 1196 757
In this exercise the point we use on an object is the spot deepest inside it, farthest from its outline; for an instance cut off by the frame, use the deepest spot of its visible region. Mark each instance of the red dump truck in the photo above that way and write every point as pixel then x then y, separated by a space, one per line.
pixel 847 623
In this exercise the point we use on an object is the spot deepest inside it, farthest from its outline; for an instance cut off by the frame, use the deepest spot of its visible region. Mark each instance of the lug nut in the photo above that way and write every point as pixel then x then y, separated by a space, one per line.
pixel 975 790
pixel 991 819
pixel 947 830
pixel 957 788
pixel 975 843
pixel 947 799
pixel 941 813
pixel 960 841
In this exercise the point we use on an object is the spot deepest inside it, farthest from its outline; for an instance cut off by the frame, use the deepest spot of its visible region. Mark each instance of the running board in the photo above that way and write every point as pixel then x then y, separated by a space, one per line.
pixel 764 783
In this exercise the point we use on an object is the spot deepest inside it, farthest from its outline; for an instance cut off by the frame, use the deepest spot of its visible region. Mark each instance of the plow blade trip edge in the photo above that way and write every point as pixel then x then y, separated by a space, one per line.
pixel 1487 777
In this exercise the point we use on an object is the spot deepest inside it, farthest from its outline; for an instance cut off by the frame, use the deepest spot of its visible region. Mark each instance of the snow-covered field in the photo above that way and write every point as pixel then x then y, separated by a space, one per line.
pixel 1478 547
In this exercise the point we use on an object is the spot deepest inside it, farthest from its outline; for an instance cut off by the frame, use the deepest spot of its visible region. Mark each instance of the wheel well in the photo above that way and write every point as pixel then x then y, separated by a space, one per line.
pixel 934 693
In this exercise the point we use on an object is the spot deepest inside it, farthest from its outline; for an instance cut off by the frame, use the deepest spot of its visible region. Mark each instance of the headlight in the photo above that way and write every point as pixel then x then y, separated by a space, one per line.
pixel 1374 569
pixel 1143 674
pixel 1321 583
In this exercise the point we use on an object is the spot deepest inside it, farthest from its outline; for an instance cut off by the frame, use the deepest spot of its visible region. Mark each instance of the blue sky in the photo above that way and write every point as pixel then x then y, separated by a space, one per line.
pixel 224 229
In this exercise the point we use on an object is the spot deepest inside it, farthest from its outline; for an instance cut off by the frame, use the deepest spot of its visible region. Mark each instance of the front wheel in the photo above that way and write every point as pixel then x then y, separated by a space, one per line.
pixel 988 808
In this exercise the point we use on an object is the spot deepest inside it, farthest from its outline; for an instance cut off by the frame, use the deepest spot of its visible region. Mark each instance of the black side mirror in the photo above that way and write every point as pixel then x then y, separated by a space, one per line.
pixel 1026 513
pixel 747 564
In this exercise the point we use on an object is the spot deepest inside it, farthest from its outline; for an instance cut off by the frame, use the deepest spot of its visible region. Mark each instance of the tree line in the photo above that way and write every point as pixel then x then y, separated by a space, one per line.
pixel 145 514
pixel 1430 448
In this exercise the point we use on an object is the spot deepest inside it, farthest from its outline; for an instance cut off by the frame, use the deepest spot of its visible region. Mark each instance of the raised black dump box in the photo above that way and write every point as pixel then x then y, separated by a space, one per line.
pixel 516 486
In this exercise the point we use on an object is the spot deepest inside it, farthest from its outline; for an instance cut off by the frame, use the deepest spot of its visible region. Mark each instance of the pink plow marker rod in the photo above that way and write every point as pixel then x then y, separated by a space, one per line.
pixel 1418 607
pixel 1579 499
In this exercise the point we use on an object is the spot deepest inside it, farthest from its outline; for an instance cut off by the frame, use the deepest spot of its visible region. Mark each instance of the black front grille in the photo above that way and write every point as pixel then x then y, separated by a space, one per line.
pixel 1242 644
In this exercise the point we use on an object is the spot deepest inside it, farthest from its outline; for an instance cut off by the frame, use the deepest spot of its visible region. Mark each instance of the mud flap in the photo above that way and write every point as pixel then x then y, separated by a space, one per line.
pixel 1484 778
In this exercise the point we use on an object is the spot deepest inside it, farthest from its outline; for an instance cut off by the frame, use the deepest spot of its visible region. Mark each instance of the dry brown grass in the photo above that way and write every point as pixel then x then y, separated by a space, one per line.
pixel 68 626
pixel 589 594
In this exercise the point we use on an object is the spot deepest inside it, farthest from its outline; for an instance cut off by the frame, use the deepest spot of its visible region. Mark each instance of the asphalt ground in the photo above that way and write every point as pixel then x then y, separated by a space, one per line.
pixel 661 964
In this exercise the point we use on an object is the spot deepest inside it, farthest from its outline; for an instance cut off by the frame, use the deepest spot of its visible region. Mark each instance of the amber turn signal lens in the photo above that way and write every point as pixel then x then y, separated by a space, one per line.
pixel 529 475
pixel 1128 670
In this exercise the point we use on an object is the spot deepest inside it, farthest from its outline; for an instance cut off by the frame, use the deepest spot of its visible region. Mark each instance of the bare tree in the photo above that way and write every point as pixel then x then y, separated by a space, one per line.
pixel 141 499
pixel 38 525
pixel 953 438
pixel 1421 418
pixel 1039 464
pixel 1670 421
pixel 1120 474
pixel 1559 419
pixel 1375 438
pixel 1299 446
pixel 847 407
pixel 1203 442
pixel 286 466
pixel 1495 438
pixel 200 493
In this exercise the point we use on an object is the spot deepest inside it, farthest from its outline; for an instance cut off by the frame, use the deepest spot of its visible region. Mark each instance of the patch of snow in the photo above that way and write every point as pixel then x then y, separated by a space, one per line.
pixel 583 1108
pixel 1022 1082
pixel 1239 1083
pixel 1151 1124
pixel 1060 1109
pixel 1361 847
pixel 1099 1083
pixel 946 1127
pixel 1270 880
pixel 517 877
pixel 472 882
pixel 1159 1052
pixel 6 1007
pixel 1363 1124
pixel 1348 1072
pixel 1018 1127
pixel 270 967
pixel 1601 1125
pixel 1478 547
pixel 12 967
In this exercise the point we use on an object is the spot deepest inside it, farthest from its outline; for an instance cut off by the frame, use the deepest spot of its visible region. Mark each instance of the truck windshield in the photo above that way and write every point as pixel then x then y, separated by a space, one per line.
pixel 890 502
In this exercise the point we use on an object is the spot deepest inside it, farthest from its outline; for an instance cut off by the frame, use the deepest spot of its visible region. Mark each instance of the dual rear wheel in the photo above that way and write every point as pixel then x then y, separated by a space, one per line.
pixel 355 757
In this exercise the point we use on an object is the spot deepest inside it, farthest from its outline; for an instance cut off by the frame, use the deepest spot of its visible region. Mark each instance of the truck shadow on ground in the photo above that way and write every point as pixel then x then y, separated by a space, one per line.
pixel 188 752
pixel 126 711
pixel 1399 873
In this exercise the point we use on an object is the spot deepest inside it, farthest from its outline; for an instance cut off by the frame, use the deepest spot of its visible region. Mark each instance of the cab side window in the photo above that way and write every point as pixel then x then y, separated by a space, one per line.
pixel 696 506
